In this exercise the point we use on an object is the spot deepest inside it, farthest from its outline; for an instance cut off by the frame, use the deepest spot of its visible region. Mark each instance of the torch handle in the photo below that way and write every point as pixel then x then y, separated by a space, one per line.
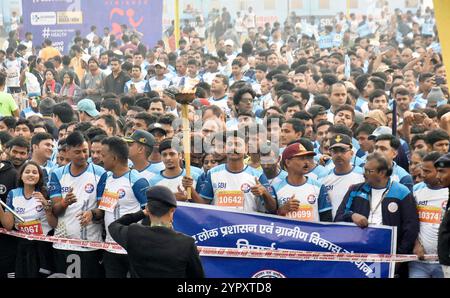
pixel 187 144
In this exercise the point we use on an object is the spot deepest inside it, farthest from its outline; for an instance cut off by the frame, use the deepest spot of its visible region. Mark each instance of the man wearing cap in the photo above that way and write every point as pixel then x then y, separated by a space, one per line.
pixel 298 196
pixel 140 145
pixel 443 176
pixel 382 201
pixel 92 82
pixel 159 82
pixel 157 251
pixel 87 110
pixel 168 95
pixel 174 176
pixel 344 174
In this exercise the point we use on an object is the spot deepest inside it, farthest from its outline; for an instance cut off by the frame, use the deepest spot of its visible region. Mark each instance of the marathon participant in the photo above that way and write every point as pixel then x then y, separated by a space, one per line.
pixel 236 186
pixel 73 189
pixel 174 176
pixel 120 191
pixel 344 174
pixel 298 196
pixel 431 201
pixel 30 201
pixel 140 145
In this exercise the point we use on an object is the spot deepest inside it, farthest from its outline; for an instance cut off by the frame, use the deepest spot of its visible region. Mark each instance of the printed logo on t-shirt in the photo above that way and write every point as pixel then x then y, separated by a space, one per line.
pixel 121 193
pixel 393 207
pixel 311 199
pixel 245 187
pixel 89 188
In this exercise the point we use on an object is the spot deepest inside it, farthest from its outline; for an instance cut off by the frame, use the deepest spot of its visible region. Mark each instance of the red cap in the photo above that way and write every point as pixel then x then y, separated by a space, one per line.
pixel 296 149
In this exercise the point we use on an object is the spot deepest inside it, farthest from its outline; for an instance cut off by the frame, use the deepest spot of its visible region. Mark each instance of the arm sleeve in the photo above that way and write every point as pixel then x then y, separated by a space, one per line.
pixel 101 186
pixel 410 225
pixel 194 267
pixel 9 201
pixel 12 104
pixel 344 212
pixel 54 187
pixel 119 228
pixel 324 201
pixel 207 191
pixel 408 182
pixel 139 189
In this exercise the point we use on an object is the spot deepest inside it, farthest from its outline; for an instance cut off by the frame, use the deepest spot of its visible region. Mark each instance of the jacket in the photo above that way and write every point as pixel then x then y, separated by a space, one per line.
pixel 398 210
pixel 156 252
pixel 444 238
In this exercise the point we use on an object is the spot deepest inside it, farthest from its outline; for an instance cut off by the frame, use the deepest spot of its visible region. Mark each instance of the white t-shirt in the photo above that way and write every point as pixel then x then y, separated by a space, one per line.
pixel 431 204
pixel 119 196
pixel 30 210
pixel 232 190
pixel 338 185
pixel 85 189
pixel 376 215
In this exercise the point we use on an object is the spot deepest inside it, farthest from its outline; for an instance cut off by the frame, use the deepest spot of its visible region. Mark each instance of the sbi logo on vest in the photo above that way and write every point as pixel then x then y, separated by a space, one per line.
pixel 89 188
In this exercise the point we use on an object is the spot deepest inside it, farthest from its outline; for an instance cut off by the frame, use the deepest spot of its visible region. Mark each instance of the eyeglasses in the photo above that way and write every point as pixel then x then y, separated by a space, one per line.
pixel 339 150
pixel 366 171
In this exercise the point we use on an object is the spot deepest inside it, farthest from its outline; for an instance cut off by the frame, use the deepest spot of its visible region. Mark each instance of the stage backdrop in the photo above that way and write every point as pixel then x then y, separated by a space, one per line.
pixel 59 19
pixel 214 227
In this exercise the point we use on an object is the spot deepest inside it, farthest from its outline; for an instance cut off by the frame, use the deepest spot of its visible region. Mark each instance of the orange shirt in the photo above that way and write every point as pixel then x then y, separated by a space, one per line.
pixel 48 53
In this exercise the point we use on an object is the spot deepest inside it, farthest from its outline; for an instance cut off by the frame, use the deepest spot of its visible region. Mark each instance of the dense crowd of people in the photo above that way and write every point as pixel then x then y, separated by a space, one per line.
pixel 345 122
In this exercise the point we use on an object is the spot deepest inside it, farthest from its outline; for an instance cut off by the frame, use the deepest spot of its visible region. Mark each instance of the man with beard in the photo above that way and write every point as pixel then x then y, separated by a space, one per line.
pixel 298 196
pixel 42 151
pixel 18 150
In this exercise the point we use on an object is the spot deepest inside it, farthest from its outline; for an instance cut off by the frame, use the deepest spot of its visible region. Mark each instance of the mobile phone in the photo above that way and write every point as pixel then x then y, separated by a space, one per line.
pixel 415 55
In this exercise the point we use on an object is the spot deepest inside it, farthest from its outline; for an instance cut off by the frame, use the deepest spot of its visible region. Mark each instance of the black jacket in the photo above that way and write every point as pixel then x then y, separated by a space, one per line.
pixel 444 238
pixel 8 181
pixel 156 252
pixel 398 209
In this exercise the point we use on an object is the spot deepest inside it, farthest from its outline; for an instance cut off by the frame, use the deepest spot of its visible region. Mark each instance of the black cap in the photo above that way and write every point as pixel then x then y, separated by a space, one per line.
pixel 161 194
pixel 142 137
pixel 316 110
pixel 443 162
pixel 157 127
pixel 341 140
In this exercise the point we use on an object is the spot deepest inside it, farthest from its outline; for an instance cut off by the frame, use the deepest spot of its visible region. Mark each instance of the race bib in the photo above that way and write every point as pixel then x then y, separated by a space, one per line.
pixel 230 199
pixel 109 201
pixel 431 215
pixel 30 227
pixel 304 213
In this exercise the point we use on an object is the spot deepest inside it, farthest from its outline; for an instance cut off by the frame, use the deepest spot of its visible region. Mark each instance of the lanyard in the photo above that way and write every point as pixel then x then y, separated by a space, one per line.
pixel 372 211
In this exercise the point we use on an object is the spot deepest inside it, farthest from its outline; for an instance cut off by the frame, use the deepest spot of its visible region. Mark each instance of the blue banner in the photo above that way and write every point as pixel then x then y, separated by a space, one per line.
pixel 364 30
pixel 214 227
pixel 58 20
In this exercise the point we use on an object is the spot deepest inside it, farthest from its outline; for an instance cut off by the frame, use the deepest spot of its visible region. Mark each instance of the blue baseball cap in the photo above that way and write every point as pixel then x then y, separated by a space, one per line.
pixel 88 106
